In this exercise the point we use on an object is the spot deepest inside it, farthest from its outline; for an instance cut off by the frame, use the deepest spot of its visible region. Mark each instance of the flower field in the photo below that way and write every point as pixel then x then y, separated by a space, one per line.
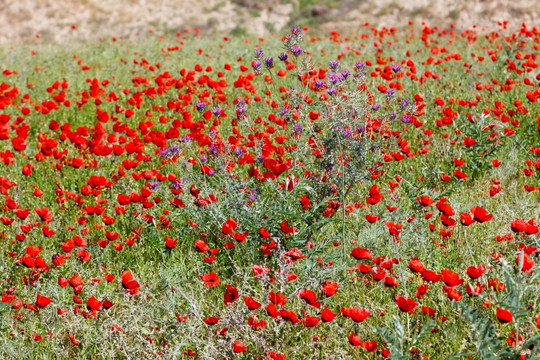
pixel 346 196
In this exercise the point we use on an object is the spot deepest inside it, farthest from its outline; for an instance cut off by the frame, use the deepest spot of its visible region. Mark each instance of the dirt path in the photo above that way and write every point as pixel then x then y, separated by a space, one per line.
pixel 21 20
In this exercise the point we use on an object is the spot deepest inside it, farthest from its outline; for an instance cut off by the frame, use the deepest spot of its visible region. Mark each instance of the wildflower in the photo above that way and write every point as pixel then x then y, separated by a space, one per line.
pixel 334 65
pixel 283 57
pixel 200 105
pixel 257 67
pixel 396 68
pixel 216 111
pixel 296 50
pixel 269 62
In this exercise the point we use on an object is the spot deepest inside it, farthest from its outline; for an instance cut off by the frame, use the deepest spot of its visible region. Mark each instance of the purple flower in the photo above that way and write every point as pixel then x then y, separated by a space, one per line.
pixel 331 91
pixel 298 128
pixel 283 112
pixel 296 30
pixel 396 68
pixel 375 107
pixel 360 65
pixel 406 119
pixel 176 184
pixel 334 64
pixel 404 103
pixel 216 111
pixel 296 50
pixel 211 172
pixel 164 153
pixel 258 53
pixel 269 62
pixel 241 111
pixel 319 83
pixel 238 151
pixel 203 158
pixel 257 67
pixel 346 133
pixel 154 185
pixel 200 105
pixel 174 149
pixel 345 73
pixel 283 57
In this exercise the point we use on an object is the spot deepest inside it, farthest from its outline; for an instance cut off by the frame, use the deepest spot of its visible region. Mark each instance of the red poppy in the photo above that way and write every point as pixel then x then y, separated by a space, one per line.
pixel 480 214
pixel 329 288
pixel 361 254
pixel 210 279
pixel 504 316
pixel 476 272
pixel 406 305
pixel 374 195
pixel 231 294
pixel 327 315
pixel 251 304
pixel 356 314
pixel 309 297
pixel 451 278
pixel 466 219
pixel 238 347
pixel 42 300
pixel 355 340
pixel 416 265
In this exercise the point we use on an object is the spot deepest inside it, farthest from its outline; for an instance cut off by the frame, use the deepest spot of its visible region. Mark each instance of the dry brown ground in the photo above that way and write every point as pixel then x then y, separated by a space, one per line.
pixel 21 20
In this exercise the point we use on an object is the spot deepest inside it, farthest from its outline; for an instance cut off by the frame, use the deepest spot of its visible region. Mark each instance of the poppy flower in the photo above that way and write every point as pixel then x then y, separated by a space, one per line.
pixel 210 279
pixel 231 294
pixel 451 278
pixel 374 195
pixel 93 304
pixel 356 314
pixel 128 282
pixel 466 219
pixel 355 340
pixel 238 347
pixel 286 228
pixel 361 254
pixel 424 200
pixel 256 324
pixel 416 265
pixel 311 321
pixel 370 345
pixel 526 261
pixel 372 218
pixel 251 304
pixel 329 288
pixel 406 305
pixel 476 272
pixel 42 301
pixel 170 243
pixel 428 311
pixel 327 315
pixel 480 214
pixel 309 297
pixel 504 316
